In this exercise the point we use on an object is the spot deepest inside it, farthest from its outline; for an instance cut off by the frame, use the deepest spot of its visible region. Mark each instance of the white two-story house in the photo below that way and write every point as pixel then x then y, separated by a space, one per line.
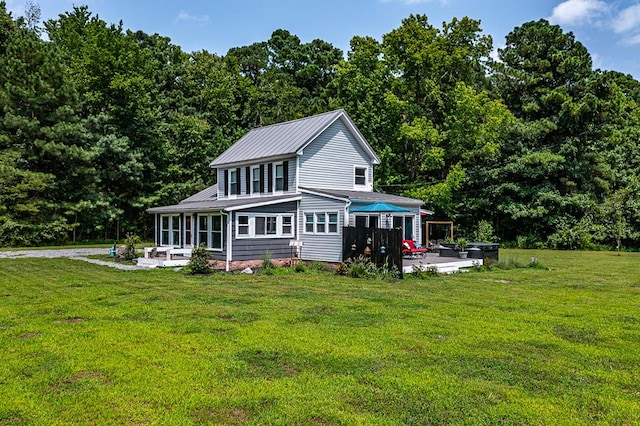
pixel 299 180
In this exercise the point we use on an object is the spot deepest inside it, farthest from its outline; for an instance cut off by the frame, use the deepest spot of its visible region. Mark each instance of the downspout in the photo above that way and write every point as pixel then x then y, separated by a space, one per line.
pixel 346 213
pixel 229 248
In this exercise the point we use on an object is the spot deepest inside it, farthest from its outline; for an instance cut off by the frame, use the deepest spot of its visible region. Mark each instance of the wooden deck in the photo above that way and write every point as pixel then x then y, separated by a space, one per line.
pixel 443 265
pixel 164 257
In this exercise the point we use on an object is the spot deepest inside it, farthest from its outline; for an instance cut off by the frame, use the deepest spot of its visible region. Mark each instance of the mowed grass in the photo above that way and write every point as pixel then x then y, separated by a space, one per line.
pixel 85 344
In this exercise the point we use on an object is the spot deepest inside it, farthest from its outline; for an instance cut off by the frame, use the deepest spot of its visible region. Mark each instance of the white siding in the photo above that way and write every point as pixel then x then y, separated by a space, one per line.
pixel 322 247
pixel 328 162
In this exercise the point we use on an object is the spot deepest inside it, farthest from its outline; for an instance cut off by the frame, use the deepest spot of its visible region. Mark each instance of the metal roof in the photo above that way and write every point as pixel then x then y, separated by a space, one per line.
pixel 364 196
pixel 227 205
pixel 211 193
pixel 286 138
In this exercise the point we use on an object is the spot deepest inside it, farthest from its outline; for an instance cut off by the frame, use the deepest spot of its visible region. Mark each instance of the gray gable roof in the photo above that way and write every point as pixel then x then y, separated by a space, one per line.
pixel 210 193
pixel 364 196
pixel 286 138
pixel 214 204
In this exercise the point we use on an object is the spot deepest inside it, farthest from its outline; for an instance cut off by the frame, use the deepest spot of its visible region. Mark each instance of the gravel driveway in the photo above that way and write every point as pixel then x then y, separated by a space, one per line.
pixel 76 253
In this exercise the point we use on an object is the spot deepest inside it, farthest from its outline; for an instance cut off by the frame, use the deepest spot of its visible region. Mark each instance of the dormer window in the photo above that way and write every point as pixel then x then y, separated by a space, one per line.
pixel 360 176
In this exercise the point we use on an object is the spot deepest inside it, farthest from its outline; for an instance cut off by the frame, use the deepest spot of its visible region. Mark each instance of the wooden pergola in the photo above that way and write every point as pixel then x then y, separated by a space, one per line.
pixel 438 222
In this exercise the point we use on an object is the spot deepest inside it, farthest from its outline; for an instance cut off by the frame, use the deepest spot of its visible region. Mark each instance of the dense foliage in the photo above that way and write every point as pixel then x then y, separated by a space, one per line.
pixel 99 123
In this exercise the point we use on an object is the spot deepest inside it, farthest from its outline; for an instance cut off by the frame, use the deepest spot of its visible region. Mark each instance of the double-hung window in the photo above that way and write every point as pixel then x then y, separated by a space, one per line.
pixel 258 225
pixel 233 181
pixel 321 223
pixel 256 188
pixel 360 176
pixel 279 177
pixel 210 231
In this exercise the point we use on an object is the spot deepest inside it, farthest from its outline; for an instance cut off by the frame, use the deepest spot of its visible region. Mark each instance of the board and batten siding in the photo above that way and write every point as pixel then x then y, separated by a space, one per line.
pixel 329 161
pixel 321 247
pixel 258 248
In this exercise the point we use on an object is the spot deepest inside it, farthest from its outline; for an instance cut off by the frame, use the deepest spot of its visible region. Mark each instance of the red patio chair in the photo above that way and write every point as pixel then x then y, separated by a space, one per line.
pixel 413 249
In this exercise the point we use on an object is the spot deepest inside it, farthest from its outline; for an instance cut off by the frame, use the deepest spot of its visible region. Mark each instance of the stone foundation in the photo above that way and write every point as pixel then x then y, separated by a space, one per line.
pixel 239 265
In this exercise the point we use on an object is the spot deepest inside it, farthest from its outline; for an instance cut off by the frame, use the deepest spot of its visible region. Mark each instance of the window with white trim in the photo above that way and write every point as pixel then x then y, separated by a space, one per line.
pixel 278 177
pixel 255 180
pixel 360 176
pixel 170 230
pixel 321 223
pixel 210 231
pixel 233 182
pixel 264 225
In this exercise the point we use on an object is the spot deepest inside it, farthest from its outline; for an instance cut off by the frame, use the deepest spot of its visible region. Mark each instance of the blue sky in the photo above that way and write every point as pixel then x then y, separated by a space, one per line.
pixel 610 29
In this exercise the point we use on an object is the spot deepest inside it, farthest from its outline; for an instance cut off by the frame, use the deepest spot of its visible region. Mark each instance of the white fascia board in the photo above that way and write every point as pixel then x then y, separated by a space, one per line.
pixel 320 194
pixel 264 203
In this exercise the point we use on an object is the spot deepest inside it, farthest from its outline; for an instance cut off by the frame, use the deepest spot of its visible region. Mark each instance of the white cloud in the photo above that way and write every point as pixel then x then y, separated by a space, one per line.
pixel 184 16
pixel 632 41
pixel 627 20
pixel 572 12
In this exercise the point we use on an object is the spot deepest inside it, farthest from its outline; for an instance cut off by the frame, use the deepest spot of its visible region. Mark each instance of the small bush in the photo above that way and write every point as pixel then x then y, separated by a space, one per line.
pixel 128 252
pixel 485 232
pixel 267 262
pixel 342 269
pixel 199 262
pixel 299 267
pixel 424 273
pixel 320 267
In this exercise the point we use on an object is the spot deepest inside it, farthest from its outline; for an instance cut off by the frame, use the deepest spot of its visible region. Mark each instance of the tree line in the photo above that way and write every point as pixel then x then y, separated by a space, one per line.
pixel 100 123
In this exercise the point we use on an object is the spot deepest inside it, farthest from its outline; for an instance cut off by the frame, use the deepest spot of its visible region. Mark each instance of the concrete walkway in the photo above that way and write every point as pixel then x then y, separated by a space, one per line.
pixel 78 254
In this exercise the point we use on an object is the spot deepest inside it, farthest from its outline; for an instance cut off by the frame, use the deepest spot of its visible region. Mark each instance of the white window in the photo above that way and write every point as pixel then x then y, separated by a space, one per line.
pixel 210 231
pixel 321 223
pixel 255 180
pixel 170 230
pixel 278 178
pixel 360 176
pixel 264 225
pixel 233 182
pixel 243 226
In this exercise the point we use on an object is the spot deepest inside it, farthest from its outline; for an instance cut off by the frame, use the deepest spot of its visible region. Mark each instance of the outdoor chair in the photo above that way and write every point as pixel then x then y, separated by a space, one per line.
pixel 410 248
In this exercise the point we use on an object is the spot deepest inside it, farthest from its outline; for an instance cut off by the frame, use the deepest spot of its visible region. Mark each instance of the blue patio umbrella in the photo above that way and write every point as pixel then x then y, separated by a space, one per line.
pixel 379 207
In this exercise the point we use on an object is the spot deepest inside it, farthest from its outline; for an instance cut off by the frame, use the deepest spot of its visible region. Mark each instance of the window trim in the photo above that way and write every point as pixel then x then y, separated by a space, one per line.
pixel 211 231
pixel 255 182
pixel 252 225
pixel 170 231
pixel 366 183
pixel 275 177
pixel 233 191
pixel 327 223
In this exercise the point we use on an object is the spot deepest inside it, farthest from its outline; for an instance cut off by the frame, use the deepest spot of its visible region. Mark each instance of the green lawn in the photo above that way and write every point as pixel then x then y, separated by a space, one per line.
pixel 85 344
